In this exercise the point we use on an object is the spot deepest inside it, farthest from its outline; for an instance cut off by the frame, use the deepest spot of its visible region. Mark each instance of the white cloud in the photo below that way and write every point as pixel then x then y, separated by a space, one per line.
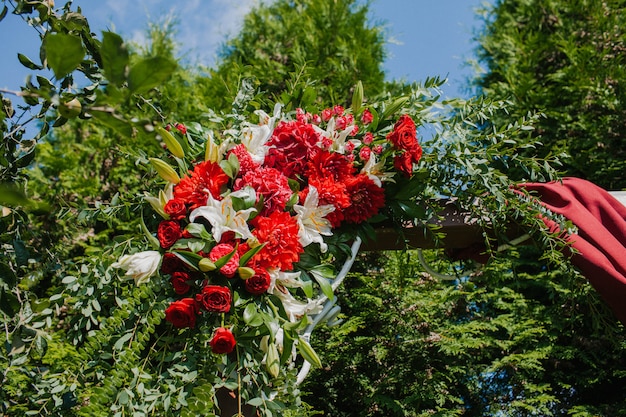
pixel 203 25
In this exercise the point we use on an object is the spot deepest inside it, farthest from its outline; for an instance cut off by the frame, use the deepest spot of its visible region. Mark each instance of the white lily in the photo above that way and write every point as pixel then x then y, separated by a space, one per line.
pixel 285 279
pixel 223 217
pixel 296 308
pixel 254 137
pixel 312 220
pixel 139 266
pixel 374 170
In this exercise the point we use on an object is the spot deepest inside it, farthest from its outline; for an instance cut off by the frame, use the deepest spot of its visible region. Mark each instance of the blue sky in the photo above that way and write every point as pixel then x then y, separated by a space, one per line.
pixel 425 37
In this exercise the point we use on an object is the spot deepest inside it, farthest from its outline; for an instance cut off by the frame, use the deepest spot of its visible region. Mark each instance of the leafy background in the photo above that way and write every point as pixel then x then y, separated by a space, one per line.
pixel 526 335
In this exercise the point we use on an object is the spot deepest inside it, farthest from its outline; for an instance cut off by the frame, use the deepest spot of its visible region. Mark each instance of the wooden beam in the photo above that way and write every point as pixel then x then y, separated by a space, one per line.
pixel 458 227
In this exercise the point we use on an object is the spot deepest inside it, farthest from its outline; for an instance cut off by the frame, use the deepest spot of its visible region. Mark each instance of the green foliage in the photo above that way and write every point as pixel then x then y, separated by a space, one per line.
pixel 514 339
pixel 328 43
pixel 566 60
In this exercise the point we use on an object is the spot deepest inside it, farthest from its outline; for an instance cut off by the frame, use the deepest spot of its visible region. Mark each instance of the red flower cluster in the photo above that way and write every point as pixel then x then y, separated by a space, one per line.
pixel 404 140
pixel 299 155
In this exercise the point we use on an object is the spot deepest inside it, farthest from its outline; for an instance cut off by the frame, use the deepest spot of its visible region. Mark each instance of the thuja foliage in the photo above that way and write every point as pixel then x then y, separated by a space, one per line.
pixel 566 60
pixel 329 43
pixel 513 339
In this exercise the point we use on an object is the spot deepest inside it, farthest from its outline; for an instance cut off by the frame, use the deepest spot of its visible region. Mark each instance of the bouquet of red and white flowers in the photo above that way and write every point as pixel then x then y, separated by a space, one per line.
pixel 252 222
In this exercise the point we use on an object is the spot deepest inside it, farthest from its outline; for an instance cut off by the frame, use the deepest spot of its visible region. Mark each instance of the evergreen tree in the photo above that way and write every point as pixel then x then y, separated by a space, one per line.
pixel 567 60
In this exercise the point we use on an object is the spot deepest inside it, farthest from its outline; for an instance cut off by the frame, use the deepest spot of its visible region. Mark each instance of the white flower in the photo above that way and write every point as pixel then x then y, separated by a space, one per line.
pixel 374 171
pixel 223 217
pixel 312 220
pixel 254 137
pixel 296 308
pixel 285 279
pixel 139 266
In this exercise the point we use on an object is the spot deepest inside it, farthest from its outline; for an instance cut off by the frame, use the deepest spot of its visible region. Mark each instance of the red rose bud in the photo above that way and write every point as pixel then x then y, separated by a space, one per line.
pixel 215 298
pixel 259 283
pixel 168 232
pixel 223 341
pixel 182 313
pixel 367 117
pixel 179 282
pixel 176 209
pixel 404 134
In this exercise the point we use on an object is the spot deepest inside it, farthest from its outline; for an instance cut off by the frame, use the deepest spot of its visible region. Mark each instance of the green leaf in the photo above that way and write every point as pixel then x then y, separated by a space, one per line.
pixel 64 53
pixel 243 260
pixel 3 13
pixel 114 57
pixel 149 73
pixel 251 316
pixel 24 60
pixel 324 284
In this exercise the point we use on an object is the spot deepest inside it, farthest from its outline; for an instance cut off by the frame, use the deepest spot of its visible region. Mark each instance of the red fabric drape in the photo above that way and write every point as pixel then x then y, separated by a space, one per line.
pixel 601 239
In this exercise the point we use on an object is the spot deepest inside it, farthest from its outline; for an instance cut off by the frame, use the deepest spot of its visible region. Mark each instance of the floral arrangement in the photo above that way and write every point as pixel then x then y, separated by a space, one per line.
pixel 254 220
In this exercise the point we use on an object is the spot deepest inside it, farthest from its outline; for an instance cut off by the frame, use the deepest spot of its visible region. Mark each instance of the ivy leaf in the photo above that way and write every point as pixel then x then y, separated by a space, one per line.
pixel 149 73
pixel 64 53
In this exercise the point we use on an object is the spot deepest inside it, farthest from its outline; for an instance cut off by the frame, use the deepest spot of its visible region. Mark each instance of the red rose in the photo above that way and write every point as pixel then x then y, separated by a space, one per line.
pixel 403 163
pixel 259 283
pixel 215 298
pixel 176 209
pixel 221 250
pixel 171 263
pixel 169 232
pixel 416 154
pixel 404 134
pixel 179 282
pixel 223 341
pixel 182 313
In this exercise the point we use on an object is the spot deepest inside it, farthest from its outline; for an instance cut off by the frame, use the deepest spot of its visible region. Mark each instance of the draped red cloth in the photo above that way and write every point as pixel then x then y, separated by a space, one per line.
pixel 601 239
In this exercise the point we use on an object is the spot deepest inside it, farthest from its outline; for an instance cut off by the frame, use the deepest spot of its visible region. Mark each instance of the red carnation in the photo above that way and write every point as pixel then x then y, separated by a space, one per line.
pixel 259 283
pixel 324 164
pixel 176 209
pixel 168 232
pixel 214 298
pixel 279 232
pixel 331 192
pixel 179 282
pixel 367 117
pixel 271 184
pixel 366 197
pixel 221 250
pixel 291 146
pixel 223 341
pixel 246 163
pixel 182 313
pixel 206 177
